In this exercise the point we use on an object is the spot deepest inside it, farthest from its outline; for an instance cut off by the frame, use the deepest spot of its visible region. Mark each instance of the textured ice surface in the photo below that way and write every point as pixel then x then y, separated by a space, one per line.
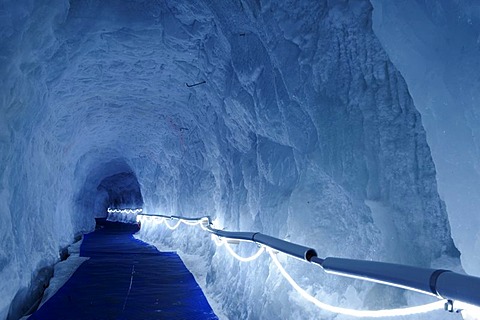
pixel 118 192
pixel 64 270
pixel 435 45
pixel 302 117
pixel 121 217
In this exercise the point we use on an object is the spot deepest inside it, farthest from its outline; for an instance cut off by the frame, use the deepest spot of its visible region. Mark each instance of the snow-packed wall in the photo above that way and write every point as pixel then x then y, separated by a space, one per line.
pixel 286 118
pixel 435 45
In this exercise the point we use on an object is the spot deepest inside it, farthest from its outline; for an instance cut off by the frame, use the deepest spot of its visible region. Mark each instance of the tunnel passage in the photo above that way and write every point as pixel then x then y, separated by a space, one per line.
pixel 112 183
pixel 120 191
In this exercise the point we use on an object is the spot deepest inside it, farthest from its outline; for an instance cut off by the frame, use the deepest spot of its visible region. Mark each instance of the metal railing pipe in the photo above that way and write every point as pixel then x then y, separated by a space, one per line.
pixel 398 275
pixel 456 286
pixel 247 236
pixel 152 215
pixel 445 284
pixel 183 218
pixel 293 249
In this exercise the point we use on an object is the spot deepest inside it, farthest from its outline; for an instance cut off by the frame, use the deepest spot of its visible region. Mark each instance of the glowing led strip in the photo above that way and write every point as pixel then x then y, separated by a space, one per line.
pixel 160 219
pixel 124 210
pixel 351 312
pixel 175 226
pixel 242 259
pixel 192 223
pixel 219 241
pixel 142 218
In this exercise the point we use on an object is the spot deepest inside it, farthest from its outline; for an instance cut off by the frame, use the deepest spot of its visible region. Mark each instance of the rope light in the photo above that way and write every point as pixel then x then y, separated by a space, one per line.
pixel 191 223
pixel 218 241
pixel 125 211
pixel 222 241
pixel 438 305
pixel 161 220
pixel 175 226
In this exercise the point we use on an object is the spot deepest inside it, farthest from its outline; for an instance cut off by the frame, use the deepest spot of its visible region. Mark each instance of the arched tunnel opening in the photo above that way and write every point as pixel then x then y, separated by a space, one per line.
pixel 119 191
pixel 106 184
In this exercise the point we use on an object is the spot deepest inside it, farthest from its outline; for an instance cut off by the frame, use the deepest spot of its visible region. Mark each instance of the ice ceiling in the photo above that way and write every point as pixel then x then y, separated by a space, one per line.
pixel 285 118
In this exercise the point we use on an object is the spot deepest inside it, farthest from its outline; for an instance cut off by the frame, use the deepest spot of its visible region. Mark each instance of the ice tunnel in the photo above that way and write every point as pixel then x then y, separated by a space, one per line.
pixel 123 191
pixel 286 118
pixel 111 185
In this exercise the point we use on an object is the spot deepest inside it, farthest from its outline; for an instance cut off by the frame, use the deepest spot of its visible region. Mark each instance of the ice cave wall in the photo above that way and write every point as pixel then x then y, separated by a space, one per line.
pixel 435 45
pixel 302 118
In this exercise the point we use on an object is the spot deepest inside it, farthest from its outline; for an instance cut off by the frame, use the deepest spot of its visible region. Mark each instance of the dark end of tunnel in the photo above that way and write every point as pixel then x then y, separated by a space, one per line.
pixel 119 191
pixel 103 223
pixel 110 183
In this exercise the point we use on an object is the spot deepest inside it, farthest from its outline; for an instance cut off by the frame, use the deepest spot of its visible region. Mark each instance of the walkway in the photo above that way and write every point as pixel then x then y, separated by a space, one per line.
pixel 126 279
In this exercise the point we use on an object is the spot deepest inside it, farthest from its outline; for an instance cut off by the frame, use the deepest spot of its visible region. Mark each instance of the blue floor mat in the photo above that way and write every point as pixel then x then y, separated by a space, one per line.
pixel 126 279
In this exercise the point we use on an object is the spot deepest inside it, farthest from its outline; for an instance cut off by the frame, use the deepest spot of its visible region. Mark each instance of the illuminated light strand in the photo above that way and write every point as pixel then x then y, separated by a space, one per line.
pixel 203 227
pixel 244 259
pixel 222 242
pixel 127 211
pixel 161 219
pixel 438 305
pixel 191 223
pixel 219 241
pixel 144 218
pixel 175 226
